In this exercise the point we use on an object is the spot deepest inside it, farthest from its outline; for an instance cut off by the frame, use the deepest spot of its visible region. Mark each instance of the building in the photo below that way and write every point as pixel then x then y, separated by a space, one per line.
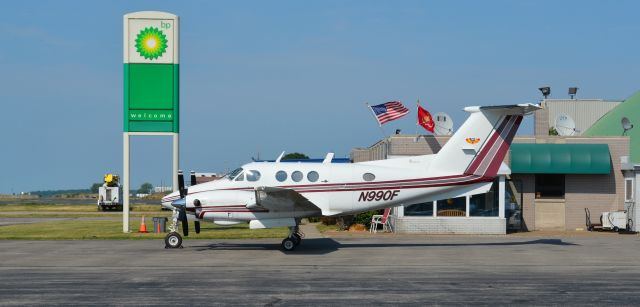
pixel 546 181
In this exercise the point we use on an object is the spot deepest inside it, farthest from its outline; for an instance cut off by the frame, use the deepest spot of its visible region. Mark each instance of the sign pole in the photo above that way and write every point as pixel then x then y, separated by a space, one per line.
pixel 176 159
pixel 125 182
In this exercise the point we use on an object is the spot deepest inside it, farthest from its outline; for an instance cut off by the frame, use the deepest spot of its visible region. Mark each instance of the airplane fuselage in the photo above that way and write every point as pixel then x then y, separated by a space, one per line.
pixel 335 188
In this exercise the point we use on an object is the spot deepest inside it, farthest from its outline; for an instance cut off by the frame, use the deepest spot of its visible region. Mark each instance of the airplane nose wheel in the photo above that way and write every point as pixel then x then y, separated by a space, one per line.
pixel 173 240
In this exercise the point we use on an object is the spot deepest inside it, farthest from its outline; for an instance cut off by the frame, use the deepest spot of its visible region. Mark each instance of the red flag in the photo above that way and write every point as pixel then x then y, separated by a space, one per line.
pixel 425 120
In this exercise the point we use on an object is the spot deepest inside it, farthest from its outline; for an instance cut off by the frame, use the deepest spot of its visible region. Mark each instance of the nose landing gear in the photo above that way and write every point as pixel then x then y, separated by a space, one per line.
pixel 173 238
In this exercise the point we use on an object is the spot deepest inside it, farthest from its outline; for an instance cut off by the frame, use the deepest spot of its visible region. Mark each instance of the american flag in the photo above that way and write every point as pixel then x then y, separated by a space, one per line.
pixel 389 111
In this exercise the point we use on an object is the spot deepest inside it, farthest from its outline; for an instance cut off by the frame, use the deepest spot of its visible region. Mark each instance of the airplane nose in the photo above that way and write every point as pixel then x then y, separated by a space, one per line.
pixel 167 201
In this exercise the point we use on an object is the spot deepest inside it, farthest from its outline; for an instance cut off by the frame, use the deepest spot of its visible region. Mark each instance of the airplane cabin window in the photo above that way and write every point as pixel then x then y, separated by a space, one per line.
pixel 296 176
pixel 253 175
pixel 281 176
pixel 368 177
pixel 313 176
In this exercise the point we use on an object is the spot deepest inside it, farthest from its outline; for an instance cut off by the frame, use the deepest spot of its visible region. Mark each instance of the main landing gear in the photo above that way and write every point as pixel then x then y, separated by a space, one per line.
pixel 293 240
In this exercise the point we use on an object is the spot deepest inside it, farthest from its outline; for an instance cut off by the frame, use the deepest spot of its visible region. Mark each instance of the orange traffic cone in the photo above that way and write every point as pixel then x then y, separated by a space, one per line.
pixel 143 227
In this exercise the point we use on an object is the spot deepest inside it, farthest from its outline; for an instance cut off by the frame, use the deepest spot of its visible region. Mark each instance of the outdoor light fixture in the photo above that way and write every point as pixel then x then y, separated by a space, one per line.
pixel 546 91
pixel 398 131
pixel 626 125
pixel 573 91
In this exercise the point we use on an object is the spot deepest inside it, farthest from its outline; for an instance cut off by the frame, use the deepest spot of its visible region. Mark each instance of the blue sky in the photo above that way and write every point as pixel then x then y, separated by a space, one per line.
pixel 266 76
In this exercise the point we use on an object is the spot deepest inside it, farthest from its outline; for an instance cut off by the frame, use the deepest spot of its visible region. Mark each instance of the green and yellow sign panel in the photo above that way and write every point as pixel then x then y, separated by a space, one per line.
pixel 151 72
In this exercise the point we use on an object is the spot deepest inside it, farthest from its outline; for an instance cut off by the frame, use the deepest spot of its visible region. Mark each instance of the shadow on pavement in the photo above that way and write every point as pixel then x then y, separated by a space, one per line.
pixel 328 245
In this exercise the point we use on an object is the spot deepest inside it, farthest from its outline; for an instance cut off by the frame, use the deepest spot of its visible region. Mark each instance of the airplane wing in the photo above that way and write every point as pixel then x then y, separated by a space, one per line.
pixel 283 200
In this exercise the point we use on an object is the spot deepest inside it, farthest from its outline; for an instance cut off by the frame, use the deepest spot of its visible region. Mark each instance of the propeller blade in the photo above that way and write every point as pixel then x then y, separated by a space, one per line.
pixel 193 178
pixel 198 207
pixel 182 215
pixel 181 184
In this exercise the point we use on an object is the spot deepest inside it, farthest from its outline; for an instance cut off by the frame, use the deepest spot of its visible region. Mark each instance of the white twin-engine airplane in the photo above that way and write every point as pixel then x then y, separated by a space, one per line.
pixel 277 194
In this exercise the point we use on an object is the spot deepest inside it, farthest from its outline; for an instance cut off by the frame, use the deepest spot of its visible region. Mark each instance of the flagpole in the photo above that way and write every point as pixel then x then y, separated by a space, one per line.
pixel 384 136
pixel 417 120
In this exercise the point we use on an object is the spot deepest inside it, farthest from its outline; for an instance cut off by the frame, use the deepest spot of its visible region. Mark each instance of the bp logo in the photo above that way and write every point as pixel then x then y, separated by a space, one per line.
pixel 151 43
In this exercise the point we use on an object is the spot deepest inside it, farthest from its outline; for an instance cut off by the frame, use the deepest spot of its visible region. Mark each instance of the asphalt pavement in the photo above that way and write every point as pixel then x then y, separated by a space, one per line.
pixel 370 270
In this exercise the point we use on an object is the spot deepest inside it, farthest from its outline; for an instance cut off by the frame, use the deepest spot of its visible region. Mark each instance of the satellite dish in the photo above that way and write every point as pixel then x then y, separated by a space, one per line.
pixel 443 124
pixel 626 125
pixel 565 125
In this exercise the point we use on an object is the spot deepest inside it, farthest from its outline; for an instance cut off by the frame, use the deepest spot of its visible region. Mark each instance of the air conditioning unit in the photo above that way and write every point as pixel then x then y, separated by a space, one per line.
pixel 615 220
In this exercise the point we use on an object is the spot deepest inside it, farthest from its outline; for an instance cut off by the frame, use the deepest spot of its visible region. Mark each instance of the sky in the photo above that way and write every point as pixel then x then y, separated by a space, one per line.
pixel 262 77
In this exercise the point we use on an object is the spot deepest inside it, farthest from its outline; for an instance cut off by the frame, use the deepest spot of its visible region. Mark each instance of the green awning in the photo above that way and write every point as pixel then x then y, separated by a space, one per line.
pixel 560 159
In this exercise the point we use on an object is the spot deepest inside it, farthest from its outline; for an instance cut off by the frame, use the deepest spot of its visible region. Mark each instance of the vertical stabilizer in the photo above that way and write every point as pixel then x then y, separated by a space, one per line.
pixel 480 145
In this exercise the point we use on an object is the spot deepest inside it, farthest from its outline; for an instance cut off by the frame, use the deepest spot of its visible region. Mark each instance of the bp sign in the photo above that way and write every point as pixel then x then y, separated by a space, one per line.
pixel 151 72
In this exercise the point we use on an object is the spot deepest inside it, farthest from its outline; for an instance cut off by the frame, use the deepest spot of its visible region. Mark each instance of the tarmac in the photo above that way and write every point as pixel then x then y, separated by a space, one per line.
pixel 339 270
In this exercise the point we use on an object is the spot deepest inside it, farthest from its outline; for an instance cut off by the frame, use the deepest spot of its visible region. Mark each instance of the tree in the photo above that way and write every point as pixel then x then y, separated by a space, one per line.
pixel 94 187
pixel 145 188
pixel 295 156
pixel 553 131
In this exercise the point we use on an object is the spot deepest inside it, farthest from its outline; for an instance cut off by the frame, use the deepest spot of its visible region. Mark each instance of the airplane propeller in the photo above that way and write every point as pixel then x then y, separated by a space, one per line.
pixel 181 204
pixel 196 202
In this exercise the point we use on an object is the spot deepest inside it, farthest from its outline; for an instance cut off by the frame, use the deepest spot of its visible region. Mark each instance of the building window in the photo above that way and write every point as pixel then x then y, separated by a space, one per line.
pixel 368 177
pixel 485 204
pixel 253 175
pixel 313 176
pixel 421 209
pixel 550 186
pixel 452 207
pixel 628 189
pixel 281 176
pixel 296 176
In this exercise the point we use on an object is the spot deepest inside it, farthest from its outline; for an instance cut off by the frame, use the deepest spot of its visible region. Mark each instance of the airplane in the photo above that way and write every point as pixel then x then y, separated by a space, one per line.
pixel 279 194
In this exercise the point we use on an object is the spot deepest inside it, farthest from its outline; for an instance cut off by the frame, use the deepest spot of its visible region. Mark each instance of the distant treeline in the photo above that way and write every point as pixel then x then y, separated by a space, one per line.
pixel 51 193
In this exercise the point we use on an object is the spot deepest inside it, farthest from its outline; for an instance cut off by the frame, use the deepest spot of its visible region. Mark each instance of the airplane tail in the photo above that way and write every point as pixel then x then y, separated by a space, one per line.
pixel 480 145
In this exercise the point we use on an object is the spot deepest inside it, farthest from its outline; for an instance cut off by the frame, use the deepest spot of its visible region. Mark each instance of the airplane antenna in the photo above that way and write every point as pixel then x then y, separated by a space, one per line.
pixel 280 157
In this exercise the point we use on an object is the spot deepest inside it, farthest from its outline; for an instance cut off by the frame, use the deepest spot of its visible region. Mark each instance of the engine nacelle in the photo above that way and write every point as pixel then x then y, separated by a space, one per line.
pixel 224 198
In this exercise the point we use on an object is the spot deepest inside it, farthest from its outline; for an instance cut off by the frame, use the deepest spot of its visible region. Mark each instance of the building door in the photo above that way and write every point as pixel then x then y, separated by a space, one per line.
pixel 513 204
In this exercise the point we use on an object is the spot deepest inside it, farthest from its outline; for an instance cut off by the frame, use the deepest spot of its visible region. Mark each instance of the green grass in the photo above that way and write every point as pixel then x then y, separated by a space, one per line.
pixel 324 228
pixel 111 230
pixel 33 208
pixel 115 215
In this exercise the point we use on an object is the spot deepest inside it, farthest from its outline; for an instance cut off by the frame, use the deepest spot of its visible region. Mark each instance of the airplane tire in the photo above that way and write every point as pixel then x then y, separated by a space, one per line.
pixel 288 244
pixel 173 240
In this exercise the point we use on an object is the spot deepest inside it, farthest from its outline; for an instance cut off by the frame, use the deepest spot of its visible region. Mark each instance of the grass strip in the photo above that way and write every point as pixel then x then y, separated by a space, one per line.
pixel 33 208
pixel 112 230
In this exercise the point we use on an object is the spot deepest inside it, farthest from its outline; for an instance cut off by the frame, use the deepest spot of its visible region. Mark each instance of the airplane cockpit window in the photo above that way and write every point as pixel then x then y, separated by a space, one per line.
pixel 313 176
pixel 253 175
pixel 240 177
pixel 368 177
pixel 281 176
pixel 296 176
pixel 233 174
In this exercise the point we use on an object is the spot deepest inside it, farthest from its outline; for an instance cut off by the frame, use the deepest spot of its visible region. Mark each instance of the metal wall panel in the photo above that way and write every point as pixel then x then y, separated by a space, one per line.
pixel 584 112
